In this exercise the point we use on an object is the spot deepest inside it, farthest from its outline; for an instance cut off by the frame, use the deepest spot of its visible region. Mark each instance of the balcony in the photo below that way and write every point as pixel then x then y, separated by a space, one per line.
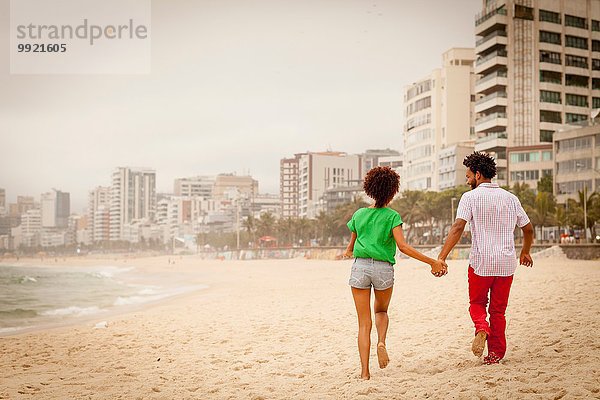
pixel 492 121
pixel 493 39
pixel 496 99
pixel 486 21
pixel 490 81
pixel 492 60
pixel 492 143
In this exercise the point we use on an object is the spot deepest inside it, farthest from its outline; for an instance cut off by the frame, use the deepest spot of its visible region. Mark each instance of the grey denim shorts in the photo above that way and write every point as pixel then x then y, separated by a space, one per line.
pixel 367 272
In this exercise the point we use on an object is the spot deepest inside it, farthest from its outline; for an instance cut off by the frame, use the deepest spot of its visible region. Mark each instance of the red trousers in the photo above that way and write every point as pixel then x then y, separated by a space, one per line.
pixel 498 288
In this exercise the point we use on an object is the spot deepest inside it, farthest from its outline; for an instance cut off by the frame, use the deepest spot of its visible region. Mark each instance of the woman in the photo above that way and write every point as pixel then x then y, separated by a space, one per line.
pixel 376 231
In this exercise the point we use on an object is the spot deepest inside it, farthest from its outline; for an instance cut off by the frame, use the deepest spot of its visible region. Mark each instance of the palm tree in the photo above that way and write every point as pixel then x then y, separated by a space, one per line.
pixel 250 226
pixel 410 209
pixel 265 226
pixel 543 210
pixel 525 194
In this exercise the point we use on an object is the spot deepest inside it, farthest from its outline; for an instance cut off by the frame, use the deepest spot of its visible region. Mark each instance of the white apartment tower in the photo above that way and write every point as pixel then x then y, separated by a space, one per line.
pixel 438 113
pixel 320 171
pixel 132 197
pixel 538 63
pixel 98 213
pixel 55 207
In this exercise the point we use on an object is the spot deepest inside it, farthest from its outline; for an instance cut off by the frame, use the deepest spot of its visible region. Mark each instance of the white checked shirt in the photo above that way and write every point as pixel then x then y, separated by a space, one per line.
pixel 492 213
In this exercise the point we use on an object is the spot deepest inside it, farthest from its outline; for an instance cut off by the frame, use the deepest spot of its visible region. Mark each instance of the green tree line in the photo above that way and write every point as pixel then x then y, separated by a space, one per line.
pixel 427 217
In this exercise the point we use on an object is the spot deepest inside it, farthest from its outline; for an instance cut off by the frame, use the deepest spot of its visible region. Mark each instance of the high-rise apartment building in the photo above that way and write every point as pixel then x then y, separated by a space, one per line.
pixel 197 186
pixel 315 173
pixel 23 204
pixel 2 199
pixel 438 113
pixel 288 186
pixel 132 197
pixel 98 213
pixel 243 186
pixel 56 208
pixel 539 68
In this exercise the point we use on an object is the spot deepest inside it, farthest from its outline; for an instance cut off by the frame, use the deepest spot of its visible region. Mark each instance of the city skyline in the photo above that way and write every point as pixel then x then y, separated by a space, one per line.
pixel 234 87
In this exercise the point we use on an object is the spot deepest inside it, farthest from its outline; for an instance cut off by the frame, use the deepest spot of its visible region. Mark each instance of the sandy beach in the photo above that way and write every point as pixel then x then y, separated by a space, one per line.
pixel 286 329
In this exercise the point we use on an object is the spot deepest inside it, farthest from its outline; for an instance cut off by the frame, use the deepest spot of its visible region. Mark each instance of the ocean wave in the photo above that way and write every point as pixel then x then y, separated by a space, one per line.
pixel 12 329
pixel 110 272
pixel 130 300
pixel 18 313
pixel 73 310
pixel 26 278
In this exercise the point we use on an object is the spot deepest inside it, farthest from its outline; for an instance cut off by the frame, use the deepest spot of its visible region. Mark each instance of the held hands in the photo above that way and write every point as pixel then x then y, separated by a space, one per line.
pixel 348 254
pixel 439 268
pixel 525 259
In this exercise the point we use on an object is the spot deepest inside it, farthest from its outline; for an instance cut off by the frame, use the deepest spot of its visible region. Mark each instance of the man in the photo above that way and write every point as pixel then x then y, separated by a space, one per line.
pixel 492 213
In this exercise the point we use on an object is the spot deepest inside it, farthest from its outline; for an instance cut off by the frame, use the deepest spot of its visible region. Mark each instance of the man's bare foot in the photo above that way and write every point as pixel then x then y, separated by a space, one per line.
pixel 479 343
pixel 365 377
pixel 382 355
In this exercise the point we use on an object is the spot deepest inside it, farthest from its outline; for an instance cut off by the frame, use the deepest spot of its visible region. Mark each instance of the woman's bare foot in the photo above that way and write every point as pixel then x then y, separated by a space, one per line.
pixel 382 355
pixel 366 376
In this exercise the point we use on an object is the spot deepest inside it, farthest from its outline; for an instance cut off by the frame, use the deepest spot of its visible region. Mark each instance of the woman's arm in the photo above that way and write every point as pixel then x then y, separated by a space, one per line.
pixel 438 267
pixel 349 253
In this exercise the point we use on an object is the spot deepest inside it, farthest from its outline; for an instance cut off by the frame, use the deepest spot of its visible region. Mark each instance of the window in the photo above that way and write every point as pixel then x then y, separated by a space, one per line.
pixel 595 25
pixel 550 116
pixel 525 175
pixel 576 61
pixel 581 164
pixel 595 102
pixel 576 41
pixel 418 88
pixel 576 80
pixel 595 64
pixel 549 16
pixel 524 12
pixel 546 135
pixel 595 83
pixel 547 96
pixel 577 22
pixel 533 156
pixel 595 45
pixel 550 57
pixel 574 144
pixel 576 100
pixel 419 105
pixel 551 77
pixel 572 187
pixel 574 118
pixel 546 155
pixel 550 37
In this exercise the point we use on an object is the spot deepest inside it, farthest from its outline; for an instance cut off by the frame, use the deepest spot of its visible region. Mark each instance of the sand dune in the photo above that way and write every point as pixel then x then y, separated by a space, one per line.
pixel 286 329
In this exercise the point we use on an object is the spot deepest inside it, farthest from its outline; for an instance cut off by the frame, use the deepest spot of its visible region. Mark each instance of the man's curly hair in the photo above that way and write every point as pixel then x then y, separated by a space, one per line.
pixel 482 163
pixel 381 184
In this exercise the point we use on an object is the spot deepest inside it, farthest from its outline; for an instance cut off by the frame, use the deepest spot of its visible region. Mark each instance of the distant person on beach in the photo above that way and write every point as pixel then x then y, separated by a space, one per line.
pixel 492 213
pixel 376 231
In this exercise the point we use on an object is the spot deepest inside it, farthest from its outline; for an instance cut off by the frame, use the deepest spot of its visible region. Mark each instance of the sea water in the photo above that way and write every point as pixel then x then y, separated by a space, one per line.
pixel 41 296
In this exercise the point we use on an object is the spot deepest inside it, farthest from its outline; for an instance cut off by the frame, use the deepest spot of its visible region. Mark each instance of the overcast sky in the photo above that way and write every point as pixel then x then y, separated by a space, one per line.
pixel 236 85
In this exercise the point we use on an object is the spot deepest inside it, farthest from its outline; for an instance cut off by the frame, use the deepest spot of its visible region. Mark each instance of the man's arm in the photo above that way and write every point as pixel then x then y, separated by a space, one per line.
pixel 525 258
pixel 349 253
pixel 453 237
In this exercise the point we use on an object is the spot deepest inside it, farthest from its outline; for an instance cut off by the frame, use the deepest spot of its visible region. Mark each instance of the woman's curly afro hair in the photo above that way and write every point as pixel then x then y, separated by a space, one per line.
pixel 381 184
pixel 482 163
